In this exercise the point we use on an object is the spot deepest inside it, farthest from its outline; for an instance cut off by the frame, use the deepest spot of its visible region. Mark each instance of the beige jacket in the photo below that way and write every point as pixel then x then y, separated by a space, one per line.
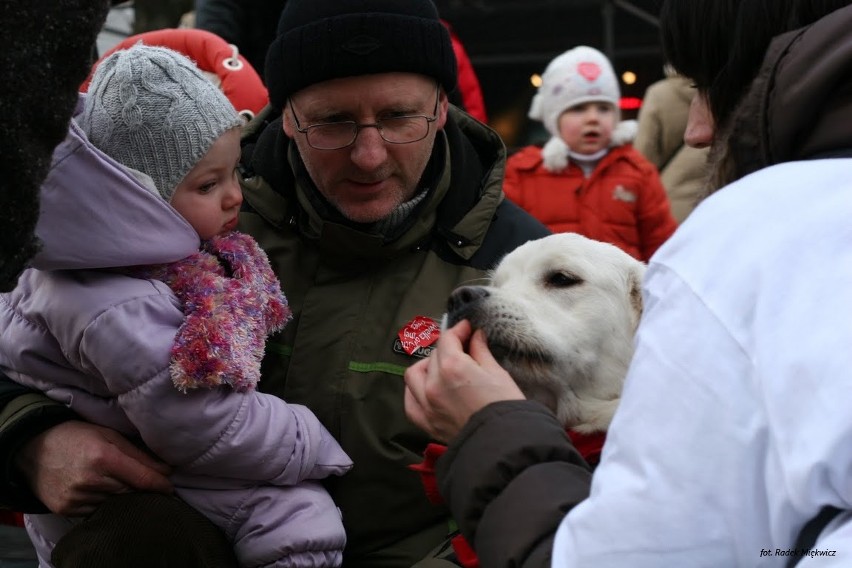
pixel 662 122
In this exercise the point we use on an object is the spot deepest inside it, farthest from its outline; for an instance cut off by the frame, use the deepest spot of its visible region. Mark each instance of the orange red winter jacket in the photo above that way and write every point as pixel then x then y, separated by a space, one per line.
pixel 622 202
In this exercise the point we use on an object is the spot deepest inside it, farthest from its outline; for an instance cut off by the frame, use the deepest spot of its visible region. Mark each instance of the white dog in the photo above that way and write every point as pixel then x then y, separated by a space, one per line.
pixel 560 315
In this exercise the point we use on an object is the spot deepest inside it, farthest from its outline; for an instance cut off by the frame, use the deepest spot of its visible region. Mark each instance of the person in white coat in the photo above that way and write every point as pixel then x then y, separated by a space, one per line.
pixel 731 443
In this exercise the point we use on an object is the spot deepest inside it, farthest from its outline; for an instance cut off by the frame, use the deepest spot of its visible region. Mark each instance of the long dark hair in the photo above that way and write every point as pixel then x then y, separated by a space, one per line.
pixel 720 44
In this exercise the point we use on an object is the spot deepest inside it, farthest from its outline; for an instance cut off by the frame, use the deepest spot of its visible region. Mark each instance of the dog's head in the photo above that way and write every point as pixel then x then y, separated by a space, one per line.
pixel 560 315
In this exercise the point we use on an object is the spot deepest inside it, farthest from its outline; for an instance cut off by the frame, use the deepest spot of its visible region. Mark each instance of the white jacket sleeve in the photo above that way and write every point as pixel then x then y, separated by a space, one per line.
pixel 733 430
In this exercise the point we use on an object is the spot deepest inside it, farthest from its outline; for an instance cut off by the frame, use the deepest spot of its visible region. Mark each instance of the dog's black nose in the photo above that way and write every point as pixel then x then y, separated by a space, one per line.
pixel 465 295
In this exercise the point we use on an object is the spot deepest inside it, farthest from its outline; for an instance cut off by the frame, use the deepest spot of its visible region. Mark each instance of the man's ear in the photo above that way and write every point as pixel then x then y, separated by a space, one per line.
pixel 287 124
pixel 443 107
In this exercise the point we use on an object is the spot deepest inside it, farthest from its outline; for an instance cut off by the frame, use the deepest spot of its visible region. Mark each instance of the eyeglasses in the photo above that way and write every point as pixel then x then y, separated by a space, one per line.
pixel 393 129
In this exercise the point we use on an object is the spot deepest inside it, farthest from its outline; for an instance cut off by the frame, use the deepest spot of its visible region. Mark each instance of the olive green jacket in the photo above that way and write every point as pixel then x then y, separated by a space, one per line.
pixel 352 292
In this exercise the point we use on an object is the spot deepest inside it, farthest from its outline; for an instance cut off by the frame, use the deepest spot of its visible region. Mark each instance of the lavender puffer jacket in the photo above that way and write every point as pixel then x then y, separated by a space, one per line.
pixel 100 342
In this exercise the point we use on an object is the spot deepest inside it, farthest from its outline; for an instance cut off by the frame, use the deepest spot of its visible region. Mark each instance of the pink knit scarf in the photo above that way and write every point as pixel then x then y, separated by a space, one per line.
pixel 232 302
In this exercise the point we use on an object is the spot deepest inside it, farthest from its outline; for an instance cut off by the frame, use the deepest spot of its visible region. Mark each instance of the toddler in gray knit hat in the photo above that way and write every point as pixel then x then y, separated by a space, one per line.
pixel 152 110
pixel 181 370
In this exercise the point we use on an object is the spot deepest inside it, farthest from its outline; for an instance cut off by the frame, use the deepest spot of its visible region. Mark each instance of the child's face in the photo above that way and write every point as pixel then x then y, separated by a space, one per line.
pixel 209 197
pixel 587 128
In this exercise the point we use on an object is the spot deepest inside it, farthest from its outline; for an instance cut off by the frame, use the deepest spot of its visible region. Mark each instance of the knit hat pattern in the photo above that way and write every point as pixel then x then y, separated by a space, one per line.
pixel 580 75
pixel 319 40
pixel 151 109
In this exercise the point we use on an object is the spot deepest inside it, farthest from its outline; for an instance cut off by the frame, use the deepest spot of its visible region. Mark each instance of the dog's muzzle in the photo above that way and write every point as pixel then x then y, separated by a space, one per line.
pixel 464 303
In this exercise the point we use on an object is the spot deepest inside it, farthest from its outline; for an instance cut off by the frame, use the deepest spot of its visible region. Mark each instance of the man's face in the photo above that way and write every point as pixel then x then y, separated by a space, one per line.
pixel 368 179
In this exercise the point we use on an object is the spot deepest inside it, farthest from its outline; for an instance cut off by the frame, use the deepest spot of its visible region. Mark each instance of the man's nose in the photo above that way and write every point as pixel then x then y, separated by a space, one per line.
pixel 369 149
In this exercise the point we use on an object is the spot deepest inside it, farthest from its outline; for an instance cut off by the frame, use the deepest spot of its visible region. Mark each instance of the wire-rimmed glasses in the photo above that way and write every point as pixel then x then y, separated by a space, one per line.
pixel 393 129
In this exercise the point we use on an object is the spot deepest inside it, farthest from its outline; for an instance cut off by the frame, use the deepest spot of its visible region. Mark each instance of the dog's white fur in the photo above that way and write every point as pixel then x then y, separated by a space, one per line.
pixel 560 315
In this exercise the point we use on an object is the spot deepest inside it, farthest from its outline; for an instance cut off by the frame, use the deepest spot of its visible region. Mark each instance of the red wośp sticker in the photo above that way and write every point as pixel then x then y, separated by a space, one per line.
pixel 419 332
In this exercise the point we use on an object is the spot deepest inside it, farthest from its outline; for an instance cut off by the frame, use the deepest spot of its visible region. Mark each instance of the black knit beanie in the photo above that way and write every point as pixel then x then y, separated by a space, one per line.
pixel 320 40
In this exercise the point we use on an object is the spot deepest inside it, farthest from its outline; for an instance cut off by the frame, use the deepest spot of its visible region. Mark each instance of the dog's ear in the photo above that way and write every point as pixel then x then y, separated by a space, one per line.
pixel 635 286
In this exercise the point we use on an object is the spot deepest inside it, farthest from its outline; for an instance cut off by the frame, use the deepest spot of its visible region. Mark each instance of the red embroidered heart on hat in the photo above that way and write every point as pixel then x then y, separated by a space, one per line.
pixel 590 71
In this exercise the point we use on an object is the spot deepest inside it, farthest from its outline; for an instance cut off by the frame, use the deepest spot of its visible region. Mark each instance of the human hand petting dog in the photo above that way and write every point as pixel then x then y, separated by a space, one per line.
pixel 459 378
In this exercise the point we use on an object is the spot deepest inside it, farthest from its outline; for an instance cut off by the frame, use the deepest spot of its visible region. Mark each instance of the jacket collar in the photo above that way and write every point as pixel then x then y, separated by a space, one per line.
pixel 795 108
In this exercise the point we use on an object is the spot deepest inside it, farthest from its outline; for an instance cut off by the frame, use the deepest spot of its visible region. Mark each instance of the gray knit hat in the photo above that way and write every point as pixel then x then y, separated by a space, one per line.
pixel 151 109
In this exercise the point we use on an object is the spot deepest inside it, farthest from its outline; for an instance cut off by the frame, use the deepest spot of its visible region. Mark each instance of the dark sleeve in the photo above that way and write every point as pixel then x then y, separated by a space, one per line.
pixel 511 227
pixel 48 51
pixel 225 18
pixel 512 461
pixel 24 414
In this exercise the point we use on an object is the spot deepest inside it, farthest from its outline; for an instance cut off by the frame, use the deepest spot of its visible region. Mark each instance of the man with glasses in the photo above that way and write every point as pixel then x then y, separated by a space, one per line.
pixel 374 198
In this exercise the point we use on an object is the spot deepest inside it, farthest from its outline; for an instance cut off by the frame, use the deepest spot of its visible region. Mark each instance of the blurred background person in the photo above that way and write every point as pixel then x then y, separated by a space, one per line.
pixel 662 123
pixel 36 102
pixel 468 94
pixel 158 14
pixel 587 178
pixel 248 24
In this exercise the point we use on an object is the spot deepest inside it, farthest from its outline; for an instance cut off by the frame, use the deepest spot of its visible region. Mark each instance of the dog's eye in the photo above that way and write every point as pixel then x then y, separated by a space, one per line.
pixel 562 280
